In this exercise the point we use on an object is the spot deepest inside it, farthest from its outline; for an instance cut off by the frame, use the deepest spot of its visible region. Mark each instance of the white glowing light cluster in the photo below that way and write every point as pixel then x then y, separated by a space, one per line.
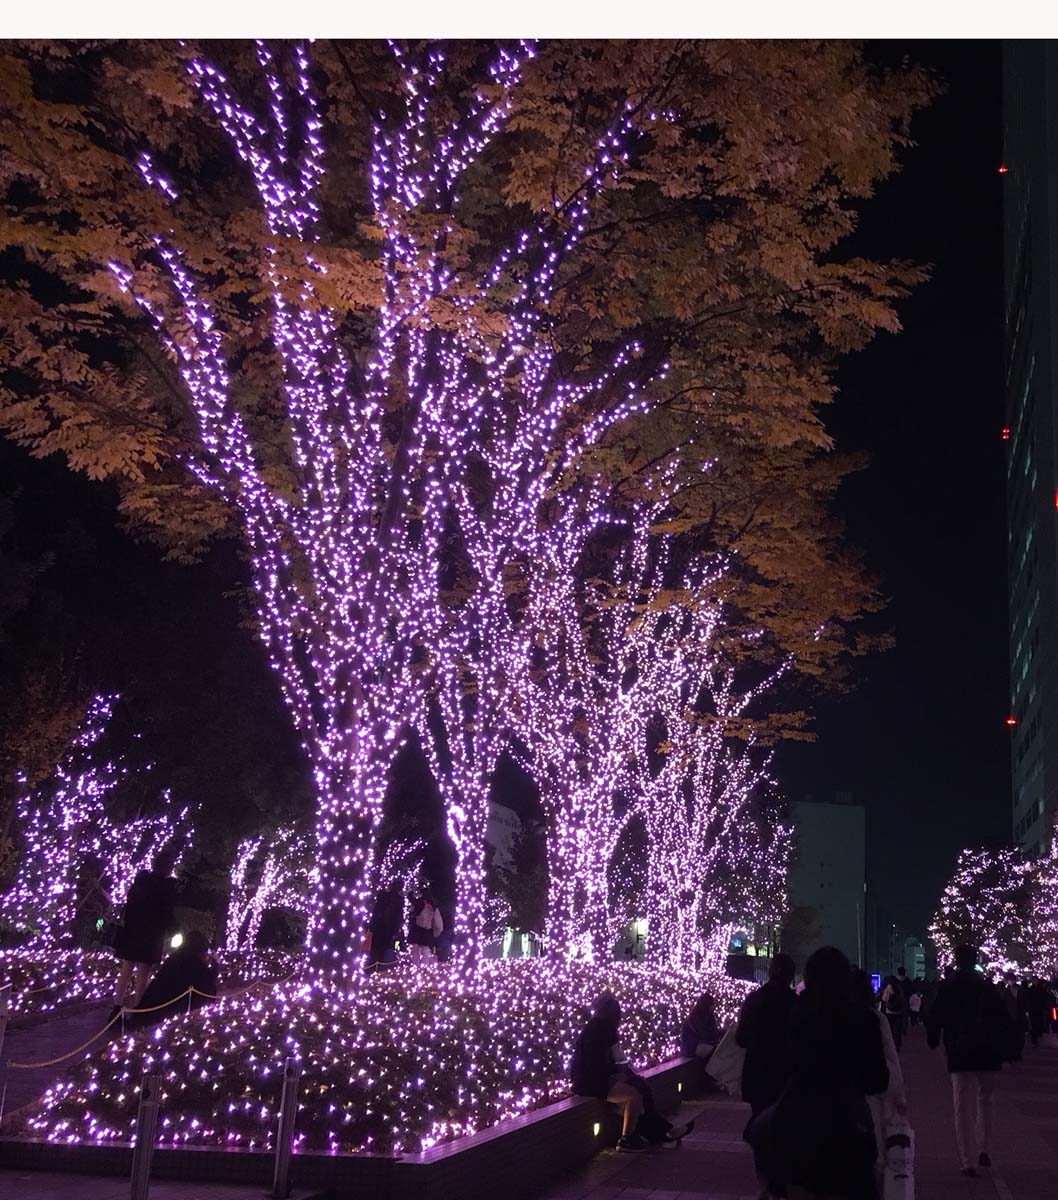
pixel 987 904
pixel 348 564
pixel 1006 905
pixel 69 833
pixel 47 977
pixel 268 872
pixel 1045 912
pixel 404 1061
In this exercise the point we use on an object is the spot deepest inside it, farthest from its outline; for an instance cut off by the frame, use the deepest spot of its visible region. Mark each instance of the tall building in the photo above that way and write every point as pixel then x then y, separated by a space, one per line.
pixel 914 957
pixel 1030 219
pixel 827 882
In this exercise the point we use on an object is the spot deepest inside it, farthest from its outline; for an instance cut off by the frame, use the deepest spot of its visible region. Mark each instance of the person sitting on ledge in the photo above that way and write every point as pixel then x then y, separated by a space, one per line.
pixel 191 966
pixel 700 1034
pixel 600 1069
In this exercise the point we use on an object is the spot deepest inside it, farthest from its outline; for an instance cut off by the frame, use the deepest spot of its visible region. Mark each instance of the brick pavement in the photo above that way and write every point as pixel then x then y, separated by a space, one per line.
pixel 714 1164
pixel 49 1185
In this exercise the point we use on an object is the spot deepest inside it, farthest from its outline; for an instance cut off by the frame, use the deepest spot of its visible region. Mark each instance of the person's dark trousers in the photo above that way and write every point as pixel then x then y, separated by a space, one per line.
pixel 756 1106
pixel 896 1024
pixel 652 1125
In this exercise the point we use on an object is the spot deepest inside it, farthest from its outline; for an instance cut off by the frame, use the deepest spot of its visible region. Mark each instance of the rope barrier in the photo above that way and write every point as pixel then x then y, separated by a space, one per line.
pixel 122 1013
pixel 51 1062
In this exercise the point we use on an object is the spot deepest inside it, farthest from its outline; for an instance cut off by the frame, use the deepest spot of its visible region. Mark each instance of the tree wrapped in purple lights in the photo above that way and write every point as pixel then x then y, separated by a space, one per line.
pixel 57 820
pixel 1006 904
pixel 988 903
pixel 274 871
pixel 73 842
pixel 634 714
pixel 350 556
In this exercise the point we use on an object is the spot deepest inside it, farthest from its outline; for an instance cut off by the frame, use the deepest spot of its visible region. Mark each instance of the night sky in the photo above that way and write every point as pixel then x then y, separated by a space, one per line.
pixel 921 743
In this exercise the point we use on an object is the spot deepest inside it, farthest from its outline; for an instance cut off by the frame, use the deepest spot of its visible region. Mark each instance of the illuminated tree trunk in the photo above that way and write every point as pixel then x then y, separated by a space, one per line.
pixel 347 821
pixel 581 840
pixel 468 920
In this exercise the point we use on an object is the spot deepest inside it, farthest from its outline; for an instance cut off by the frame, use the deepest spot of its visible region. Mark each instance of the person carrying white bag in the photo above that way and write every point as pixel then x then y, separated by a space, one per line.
pixel 894 1166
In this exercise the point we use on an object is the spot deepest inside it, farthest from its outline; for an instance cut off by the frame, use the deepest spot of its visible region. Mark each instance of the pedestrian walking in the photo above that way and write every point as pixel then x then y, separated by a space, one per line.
pixel 819 1139
pixel 139 941
pixel 1039 1003
pixel 763 1031
pixel 1011 996
pixel 914 1009
pixel 888 1108
pixel 894 1005
pixel 969 1014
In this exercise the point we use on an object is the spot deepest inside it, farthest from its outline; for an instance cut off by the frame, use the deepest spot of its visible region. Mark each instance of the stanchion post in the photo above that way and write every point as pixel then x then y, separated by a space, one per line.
pixel 288 1113
pixel 146 1132
pixel 5 1013
pixel 3 1087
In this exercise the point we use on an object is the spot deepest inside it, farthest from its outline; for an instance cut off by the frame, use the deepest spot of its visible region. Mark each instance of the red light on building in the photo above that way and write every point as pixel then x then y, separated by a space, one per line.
pixel 1006 433
pixel 1012 721
pixel 1003 169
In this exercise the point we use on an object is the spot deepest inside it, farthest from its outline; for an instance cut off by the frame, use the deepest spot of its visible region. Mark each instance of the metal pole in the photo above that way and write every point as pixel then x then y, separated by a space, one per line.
pixel 5 1013
pixel 288 1112
pixel 3 1086
pixel 146 1131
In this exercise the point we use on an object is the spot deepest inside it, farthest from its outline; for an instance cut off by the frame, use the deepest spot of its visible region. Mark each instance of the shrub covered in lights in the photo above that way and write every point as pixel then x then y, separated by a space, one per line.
pixel 409 1059
pixel 44 980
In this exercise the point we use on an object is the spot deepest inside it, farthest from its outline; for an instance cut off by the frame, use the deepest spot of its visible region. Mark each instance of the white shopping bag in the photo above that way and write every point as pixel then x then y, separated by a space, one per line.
pixel 899 1174
pixel 725 1063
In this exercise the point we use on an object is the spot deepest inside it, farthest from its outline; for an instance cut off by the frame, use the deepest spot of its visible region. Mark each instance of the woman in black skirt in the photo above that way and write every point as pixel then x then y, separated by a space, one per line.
pixel 140 941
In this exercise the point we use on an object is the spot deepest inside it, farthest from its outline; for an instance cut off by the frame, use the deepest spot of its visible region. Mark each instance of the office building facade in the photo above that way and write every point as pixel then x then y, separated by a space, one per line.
pixel 827 884
pixel 1030 218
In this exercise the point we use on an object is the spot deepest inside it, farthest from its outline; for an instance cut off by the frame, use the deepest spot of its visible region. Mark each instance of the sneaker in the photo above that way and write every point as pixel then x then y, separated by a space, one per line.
pixel 969 1172
pixel 676 1134
pixel 633 1144
pixel 984 1160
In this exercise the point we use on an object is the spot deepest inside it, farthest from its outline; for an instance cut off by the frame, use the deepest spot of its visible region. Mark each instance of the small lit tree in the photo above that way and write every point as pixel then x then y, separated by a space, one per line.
pixel 68 828
pixel 274 871
pixel 987 904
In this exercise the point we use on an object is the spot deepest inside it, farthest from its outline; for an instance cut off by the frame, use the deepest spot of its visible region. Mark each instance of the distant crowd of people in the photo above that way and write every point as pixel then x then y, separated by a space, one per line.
pixel 151 985
pixel 821 1069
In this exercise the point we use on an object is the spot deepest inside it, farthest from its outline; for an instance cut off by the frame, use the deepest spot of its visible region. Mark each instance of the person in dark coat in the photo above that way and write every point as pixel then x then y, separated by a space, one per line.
pixel 1040 1001
pixel 819 1136
pixel 385 926
pixel 147 917
pixel 190 966
pixel 970 1015
pixel 600 1069
pixel 701 1033
pixel 763 1032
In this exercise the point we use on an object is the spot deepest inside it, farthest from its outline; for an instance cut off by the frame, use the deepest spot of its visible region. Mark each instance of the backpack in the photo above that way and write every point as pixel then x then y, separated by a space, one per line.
pixel 896 1003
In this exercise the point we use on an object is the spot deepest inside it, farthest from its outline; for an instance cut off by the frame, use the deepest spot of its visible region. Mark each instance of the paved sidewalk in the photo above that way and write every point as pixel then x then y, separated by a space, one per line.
pixel 49 1185
pixel 1025 1141
pixel 714 1164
